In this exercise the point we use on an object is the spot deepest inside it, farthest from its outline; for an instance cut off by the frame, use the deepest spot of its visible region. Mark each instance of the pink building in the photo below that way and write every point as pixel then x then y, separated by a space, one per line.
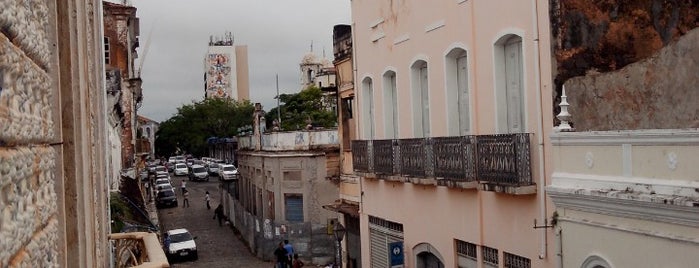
pixel 453 107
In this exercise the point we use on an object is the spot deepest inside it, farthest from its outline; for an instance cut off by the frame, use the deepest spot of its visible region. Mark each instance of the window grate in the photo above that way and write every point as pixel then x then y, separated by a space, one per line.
pixel 394 226
pixel 106 50
pixel 466 249
pixel 514 261
pixel 490 255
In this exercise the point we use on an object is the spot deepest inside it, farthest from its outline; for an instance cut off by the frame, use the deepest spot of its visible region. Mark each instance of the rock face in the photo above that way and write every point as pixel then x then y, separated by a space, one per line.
pixel 660 92
pixel 600 36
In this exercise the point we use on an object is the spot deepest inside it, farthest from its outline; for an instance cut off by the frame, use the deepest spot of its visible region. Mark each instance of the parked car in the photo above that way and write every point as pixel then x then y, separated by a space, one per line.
pixel 181 244
pixel 227 172
pixel 162 176
pixel 151 169
pixel 180 169
pixel 162 184
pixel 198 173
pixel 161 170
pixel 144 174
pixel 164 187
pixel 213 169
pixel 166 198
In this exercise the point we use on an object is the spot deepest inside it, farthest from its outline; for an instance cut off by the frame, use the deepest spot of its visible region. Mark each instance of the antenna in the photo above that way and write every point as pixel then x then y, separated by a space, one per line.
pixel 145 50
pixel 311 45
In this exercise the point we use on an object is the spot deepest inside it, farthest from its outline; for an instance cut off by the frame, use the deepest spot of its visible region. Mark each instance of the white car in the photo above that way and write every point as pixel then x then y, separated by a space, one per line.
pixel 181 244
pixel 227 172
pixel 181 169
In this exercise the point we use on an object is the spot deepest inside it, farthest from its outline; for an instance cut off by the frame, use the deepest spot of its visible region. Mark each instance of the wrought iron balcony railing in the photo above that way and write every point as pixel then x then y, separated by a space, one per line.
pixel 502 159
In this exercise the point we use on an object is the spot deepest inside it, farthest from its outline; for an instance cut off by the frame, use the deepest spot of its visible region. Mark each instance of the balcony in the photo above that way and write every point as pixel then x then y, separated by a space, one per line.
pixel 499 163
pixel 138 249
pixel 142 146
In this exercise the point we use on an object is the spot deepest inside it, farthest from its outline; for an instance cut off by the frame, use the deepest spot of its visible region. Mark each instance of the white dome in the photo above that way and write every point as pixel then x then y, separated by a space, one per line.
pixel 310 58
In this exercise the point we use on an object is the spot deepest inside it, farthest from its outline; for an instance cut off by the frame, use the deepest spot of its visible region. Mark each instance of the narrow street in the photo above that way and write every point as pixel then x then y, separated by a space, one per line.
pixel 217 246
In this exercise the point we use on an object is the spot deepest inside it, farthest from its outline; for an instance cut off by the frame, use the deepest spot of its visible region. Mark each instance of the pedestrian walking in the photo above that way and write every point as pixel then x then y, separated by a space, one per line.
pixel 166 242
pixel 207 199
pixel 289 253
pixel 281 255
pixel 148 191
pixel 218 213
pixel 183 186
pixel 185 202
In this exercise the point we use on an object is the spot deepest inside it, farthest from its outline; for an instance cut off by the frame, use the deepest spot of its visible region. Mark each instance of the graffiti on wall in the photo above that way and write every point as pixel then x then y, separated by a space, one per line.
pixel 218 75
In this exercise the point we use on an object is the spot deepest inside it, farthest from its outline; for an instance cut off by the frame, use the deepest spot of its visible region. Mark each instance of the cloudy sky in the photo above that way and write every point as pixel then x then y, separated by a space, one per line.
pixel 278 34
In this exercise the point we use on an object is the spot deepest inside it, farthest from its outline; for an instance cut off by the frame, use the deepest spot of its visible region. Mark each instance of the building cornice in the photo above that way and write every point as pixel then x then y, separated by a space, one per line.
pixel 665 137
pixel 624 199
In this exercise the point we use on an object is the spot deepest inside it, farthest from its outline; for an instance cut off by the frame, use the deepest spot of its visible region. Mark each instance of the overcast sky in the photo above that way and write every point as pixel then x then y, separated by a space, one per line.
pixel 278 34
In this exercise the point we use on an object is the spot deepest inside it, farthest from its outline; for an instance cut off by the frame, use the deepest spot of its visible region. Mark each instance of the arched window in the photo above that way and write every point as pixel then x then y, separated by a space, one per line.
pixel 458 107
pixel 421 100
pixel 595 261
pixel 427 256
pixel 390 105
pixel 148 132
pixel 509 84
pixel 368 108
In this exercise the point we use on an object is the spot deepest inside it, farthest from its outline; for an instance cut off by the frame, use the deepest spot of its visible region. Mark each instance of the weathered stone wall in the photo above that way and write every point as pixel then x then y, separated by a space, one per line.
pixel 606 35
pixel 28 215
pixel 53 203
pixel 660 92
pixel 601 36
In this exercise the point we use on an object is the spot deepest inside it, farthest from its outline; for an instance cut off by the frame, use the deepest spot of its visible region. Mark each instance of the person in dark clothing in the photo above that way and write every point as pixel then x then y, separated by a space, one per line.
pixel 280 253
pixel 218 213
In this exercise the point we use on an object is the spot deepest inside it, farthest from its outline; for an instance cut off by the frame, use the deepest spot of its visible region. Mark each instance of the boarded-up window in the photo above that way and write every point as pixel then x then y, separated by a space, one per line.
pixel 293 204
pixel 293 175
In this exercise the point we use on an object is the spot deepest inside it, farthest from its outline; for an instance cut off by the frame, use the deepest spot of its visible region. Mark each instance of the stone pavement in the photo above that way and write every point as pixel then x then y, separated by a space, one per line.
pixel 217 246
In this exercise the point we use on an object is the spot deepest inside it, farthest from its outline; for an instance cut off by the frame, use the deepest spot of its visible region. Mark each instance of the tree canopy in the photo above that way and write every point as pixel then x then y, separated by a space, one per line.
pixel 189 128
pixel 299 107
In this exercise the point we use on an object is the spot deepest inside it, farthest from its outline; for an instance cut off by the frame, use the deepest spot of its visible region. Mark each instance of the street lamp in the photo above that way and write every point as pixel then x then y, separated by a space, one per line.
pixel 339 232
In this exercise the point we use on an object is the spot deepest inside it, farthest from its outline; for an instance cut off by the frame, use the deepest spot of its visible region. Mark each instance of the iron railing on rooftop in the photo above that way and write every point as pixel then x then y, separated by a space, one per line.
pixel 499 159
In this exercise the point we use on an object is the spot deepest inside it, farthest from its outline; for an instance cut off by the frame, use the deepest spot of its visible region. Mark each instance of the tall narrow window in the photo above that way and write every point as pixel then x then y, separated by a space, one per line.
pixel 509 85
pixel 368 108
pixel 106 50
pixel 421 101
pixel 390 105
pixel 458 107
pixel 294 207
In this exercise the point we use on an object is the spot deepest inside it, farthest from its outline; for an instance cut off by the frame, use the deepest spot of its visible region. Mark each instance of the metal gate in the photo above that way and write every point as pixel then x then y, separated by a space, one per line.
pixel 381 235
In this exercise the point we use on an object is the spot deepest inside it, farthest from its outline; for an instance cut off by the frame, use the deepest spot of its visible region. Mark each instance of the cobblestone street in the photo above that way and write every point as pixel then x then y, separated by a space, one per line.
pixel 217 246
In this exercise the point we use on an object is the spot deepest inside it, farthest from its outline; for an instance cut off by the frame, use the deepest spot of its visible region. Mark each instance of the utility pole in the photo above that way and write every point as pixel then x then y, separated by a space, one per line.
pixel 279 112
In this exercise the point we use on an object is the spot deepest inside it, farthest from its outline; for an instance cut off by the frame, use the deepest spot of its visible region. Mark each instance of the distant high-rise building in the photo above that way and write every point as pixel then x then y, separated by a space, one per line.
pixel 226 69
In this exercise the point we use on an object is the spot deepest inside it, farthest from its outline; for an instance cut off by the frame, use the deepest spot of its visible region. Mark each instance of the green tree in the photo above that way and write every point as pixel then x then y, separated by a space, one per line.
pixel 189 128
pixel 299 107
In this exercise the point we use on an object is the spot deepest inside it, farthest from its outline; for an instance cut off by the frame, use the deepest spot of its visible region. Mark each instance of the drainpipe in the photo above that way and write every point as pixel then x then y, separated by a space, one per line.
pixel 540 137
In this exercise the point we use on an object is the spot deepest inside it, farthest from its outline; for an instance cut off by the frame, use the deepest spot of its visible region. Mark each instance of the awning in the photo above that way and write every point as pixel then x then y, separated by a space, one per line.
pixel 344 207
